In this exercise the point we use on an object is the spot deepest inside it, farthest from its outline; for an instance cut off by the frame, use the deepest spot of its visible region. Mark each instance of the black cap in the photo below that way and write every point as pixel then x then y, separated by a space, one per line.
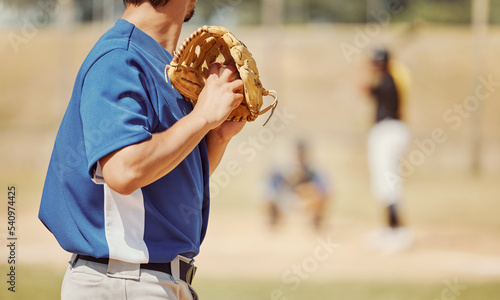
pixel 380 55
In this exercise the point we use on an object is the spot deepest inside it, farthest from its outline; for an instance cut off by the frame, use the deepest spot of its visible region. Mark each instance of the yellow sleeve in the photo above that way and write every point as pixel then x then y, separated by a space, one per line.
pixel 402 80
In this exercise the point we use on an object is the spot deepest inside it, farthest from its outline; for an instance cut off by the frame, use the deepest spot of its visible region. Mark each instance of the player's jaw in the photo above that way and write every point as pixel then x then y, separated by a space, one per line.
pixel 190 10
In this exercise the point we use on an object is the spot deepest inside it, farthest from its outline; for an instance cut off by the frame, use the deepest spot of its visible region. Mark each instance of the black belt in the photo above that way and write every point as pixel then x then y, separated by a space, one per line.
pixel 186 269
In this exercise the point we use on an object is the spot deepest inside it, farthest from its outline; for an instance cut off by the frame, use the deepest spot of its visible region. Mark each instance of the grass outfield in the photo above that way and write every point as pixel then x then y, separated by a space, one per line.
pixel 39 283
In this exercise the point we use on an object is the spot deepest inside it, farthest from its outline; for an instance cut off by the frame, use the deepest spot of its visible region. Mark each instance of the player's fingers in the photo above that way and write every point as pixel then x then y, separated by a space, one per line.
pixel 214 69
pixel 238 98
pixel 228 72
pixel 237 86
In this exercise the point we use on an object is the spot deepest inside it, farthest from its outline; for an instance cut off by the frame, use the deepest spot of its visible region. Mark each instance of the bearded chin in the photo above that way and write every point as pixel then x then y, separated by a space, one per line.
pixel 189 16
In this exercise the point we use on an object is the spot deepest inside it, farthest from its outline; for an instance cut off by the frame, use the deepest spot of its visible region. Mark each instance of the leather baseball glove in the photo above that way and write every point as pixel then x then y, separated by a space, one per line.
pixel 189 68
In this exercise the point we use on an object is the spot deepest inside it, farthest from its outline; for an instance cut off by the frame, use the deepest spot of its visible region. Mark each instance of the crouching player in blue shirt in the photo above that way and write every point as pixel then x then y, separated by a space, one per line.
pixel 127 185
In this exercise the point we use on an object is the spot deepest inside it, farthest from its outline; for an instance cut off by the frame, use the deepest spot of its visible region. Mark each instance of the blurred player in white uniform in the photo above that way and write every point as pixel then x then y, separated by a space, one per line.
pixel 387 141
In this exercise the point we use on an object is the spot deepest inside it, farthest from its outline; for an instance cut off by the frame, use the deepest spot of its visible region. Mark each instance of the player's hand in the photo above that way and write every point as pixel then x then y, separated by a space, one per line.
pixel 222 93
pixel 227 130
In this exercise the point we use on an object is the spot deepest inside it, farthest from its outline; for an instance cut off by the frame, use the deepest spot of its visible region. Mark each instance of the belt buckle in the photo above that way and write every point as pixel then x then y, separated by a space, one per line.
pixel 191 270
pixel 190 273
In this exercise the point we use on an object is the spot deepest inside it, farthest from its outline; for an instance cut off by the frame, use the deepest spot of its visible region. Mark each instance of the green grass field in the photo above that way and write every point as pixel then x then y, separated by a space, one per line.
pixel 37 283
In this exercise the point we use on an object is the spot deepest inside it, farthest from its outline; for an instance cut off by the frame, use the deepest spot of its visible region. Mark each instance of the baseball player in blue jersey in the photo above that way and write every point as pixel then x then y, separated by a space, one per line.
pixel 127 185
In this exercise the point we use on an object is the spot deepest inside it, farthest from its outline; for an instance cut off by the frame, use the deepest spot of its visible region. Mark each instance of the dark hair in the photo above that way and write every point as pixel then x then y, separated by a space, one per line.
pixel 137 2
pixel 380 58
pixel 381 55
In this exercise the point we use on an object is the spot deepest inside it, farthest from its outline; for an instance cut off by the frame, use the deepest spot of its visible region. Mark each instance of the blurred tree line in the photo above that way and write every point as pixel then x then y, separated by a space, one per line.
pixel 249 12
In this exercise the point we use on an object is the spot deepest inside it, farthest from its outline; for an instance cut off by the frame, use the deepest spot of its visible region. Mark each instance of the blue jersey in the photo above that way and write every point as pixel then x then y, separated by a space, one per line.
pixel 121 98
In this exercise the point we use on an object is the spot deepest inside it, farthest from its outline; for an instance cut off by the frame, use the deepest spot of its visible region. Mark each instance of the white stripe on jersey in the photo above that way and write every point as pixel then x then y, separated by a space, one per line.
pixel 124 226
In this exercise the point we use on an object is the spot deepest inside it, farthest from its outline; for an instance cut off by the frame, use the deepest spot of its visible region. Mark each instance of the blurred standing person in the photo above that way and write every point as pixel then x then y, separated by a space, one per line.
pixel 387 140
pixel 299 185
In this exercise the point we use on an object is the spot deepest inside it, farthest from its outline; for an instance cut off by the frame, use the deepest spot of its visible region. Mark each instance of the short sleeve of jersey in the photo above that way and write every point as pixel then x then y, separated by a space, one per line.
pixel 115 105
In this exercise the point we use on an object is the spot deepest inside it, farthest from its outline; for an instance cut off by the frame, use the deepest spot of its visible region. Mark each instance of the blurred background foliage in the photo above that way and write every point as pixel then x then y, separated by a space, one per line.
pixel 249 12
